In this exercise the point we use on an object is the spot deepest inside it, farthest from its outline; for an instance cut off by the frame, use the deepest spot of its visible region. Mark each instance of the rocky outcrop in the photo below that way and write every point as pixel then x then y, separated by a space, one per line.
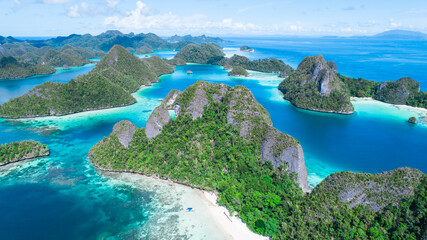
pixel 124 130
pixel 373 190
pixel 282 150
pixel 160 116
pixel 245 114
pixel 315 85
pixel 397 92
pixel 319 72
pixel 2 51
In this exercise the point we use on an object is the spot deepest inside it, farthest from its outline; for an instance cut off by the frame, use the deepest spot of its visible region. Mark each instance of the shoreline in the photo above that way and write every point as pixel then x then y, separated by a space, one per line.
pixel 232 227
pixel 398 106
pixel 89 109
pixel 25 159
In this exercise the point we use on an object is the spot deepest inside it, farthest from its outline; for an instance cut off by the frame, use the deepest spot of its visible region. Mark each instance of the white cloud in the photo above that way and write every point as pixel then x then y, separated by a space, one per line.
pixel 394 24
pixel 17 2
pixel 144 19
pixel 112 3
pixel 77 10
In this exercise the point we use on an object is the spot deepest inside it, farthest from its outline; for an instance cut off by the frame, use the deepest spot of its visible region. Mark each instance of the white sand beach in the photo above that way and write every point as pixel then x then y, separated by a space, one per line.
pixel 171 218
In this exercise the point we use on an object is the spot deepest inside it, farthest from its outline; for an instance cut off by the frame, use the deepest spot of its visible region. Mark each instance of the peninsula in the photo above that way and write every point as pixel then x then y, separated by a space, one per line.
pixel 109 84
pixel 19 151
pixel 219 139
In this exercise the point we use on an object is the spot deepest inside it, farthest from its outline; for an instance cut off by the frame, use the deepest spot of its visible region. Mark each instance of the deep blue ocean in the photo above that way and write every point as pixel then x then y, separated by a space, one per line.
pixel 63 197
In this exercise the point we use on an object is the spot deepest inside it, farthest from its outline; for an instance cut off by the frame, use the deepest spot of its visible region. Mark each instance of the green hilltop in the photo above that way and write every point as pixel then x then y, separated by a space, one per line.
pixel 315 85
pixel 109 84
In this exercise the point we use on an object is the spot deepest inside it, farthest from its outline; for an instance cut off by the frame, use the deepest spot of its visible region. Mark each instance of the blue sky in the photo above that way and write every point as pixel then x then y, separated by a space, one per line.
pixel 212 17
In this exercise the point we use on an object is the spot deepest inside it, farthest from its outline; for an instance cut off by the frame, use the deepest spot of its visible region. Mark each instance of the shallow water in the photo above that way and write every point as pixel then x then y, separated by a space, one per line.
pixel 63 197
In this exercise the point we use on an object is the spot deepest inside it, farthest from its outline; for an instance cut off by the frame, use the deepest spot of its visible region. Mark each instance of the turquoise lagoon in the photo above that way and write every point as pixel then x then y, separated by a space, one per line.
pixel 63 197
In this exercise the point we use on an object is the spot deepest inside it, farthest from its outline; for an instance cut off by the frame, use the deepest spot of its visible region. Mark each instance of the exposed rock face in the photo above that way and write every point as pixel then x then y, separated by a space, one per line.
pixel 160 116
pixel 198 103
pixel 277 150
pixel 124 130
pixel 245 114
pixel 373 190
pixel 323 74
pixel 2 51
pixel 397 92
pixel 315 85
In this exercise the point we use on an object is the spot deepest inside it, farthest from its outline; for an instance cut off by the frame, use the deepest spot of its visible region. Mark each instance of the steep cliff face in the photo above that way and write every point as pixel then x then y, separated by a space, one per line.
pixel 316 86
pixel 124 131
pixel 244 113
pixel 373 190
pixel 160 116
pixel 397 92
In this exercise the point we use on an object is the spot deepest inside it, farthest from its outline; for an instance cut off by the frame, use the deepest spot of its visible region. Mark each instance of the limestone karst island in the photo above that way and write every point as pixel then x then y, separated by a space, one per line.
pixel 213 120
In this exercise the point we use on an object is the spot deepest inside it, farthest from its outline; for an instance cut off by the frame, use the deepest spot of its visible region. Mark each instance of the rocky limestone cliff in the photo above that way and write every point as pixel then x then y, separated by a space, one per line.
pixel 245 114
pixel 124 131
pixel 316 70
pixel 315 85
pixel 282 149
pixel 160 116
pixel 373 190
pixel 397 92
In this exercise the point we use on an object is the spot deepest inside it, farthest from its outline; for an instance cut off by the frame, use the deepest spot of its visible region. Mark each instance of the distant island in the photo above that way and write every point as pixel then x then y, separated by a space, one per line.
pixel 196 39
pixel 203 53
pixel 10 68
pixel 21 59
pixel 19 151
pixel 109 84
pixel 220 139
pixel 212 54
pixel 246 49
pixel 238 71
pixel 401 35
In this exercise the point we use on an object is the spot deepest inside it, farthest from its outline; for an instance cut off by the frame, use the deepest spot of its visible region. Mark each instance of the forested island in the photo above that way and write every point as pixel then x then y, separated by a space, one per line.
pixel 21 59
pixel 10 68
pixel 212 54
pixel 238 71
pixel 246 49
pixel 109 84
pixel 315 85
pixel 196 39
pixel 222 140
pixel 19 151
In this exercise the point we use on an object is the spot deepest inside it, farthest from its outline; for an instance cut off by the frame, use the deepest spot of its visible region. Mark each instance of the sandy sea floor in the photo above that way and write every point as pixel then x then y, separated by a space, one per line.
pixel 206 221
